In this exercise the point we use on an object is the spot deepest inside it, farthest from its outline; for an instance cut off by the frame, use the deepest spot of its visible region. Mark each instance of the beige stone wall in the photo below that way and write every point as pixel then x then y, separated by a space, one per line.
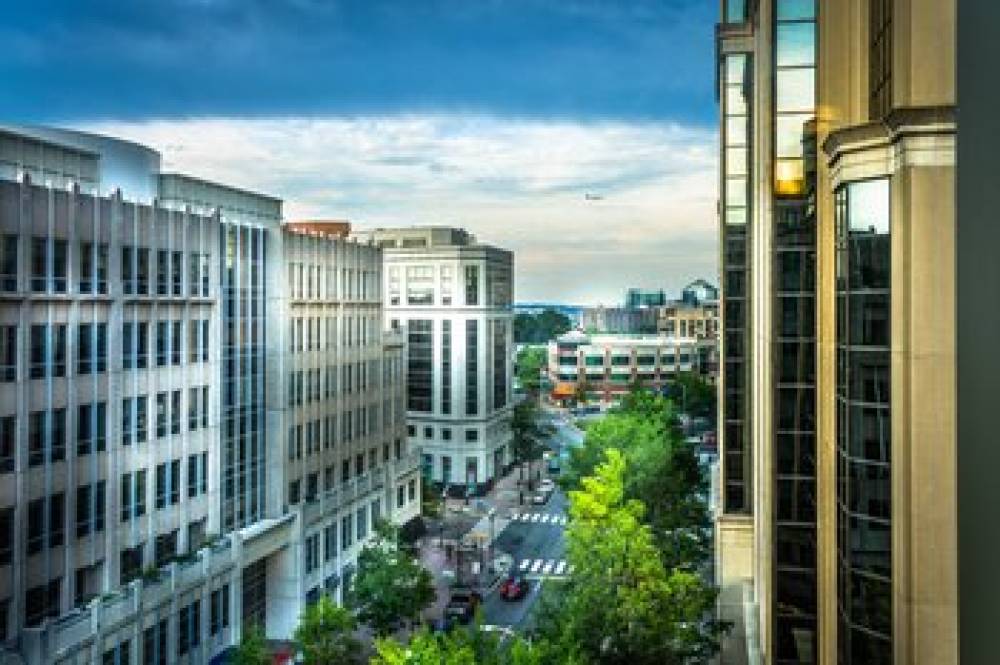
pixel 734 566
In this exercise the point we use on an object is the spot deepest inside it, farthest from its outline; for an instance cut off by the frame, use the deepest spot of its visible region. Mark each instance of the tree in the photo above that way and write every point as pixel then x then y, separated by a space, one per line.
pixel 252 649
pixel 324 635
pixel 466 647
pixel 390 585
pixel 621 604
pixel 528 434
pixel 530 362
pixel 540 328
pixel 696 395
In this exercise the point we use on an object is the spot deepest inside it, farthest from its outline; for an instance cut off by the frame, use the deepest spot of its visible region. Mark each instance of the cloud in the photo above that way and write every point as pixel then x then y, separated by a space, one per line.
pixel 516 183
pixel 67 61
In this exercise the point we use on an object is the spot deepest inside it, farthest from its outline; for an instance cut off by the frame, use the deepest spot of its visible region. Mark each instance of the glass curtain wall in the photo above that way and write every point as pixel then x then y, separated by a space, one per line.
pixel 243 448
pixel 864 533
pixel 736 103
pixel 794 333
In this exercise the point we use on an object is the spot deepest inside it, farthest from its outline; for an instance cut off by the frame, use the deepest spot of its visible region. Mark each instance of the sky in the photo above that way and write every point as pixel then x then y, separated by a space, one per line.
pixel 500 116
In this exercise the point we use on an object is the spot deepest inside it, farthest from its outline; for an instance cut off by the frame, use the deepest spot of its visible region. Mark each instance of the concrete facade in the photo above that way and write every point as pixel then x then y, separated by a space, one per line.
pixel 452 298
pixel 158 495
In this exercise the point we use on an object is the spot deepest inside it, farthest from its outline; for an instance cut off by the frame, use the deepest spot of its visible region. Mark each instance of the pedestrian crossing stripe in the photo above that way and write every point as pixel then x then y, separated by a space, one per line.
pixel 544 567
pixel 539 518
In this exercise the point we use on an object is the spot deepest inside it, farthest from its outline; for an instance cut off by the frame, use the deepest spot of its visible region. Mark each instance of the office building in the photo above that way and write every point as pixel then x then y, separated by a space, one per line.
pixel 683 319
pixel 452 298
pixel 619 320
pixel 644 299
pixel 604 367
pixel 836 533
pixel 165 448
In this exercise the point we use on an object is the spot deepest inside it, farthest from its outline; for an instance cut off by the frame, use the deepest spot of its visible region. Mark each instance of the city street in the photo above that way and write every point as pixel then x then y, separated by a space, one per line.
pixel 534 538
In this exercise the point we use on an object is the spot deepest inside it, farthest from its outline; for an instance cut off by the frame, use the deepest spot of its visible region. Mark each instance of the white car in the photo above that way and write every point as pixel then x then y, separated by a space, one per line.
pixel 546 485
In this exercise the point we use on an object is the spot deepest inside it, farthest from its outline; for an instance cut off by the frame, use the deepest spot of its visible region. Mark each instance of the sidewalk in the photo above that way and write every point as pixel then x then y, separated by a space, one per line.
pixel 469 523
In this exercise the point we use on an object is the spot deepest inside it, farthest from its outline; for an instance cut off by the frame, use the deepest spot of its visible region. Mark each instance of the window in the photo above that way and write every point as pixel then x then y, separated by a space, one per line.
pixel 175 412
pixel 161 486
pixel 162 333
pixel 175 343
pixel 58 349
pixel 446 367
pixel 142 345
pixel 420 285
pixel 176 270
pixel 36 438
pixel 471 367
pixel 36 526
pixel 162 268
pixel 39 351
pixel 879 58
pixel 128 270
pixel 6 535
pixel 330 542
pixel 193 418
pixel 91 428
pixel 472 285
pixel 8 262
pixel 41 602
pixel 175 481
pixel 8 353
pixel 39 259
pixel 420 365
pixel 141 414
pixel 161 415
pixel 7 441
pixel 57 434
pixel 142 271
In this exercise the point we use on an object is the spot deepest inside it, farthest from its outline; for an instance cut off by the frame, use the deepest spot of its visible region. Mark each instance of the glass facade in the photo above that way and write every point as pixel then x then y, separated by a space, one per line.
pixel 736 101
pixel 499 364
pixel 793 348
pixel 864 442
pixel 420 365
pixel 446 367
pixel 471 367
pixel 243 349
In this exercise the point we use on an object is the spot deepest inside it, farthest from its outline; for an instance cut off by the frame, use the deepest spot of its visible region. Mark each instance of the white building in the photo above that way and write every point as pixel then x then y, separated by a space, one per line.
pixel 168 473
pixel 452 297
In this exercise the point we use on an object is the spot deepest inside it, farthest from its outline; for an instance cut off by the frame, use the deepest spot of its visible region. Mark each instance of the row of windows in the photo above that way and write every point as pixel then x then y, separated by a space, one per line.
pixel 427 431
pixel 168 485
pixel 313 385
pixel 314 333
pixel 48 266
pixel 312 487
pixel 311 281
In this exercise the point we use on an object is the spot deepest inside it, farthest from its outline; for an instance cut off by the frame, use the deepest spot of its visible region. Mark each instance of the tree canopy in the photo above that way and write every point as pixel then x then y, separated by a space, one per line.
pixel 530 362
pixel 390 586
pixel 622 604
pixel 325 634
pixel 252 649
pixel 540 328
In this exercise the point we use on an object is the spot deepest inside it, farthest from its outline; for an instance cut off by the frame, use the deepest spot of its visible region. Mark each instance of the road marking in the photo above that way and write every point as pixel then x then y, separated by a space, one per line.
pixel 524 564
pixel 544 519
pixel 535 517
pixel 547 568
pixel 535 566
pixel 560 568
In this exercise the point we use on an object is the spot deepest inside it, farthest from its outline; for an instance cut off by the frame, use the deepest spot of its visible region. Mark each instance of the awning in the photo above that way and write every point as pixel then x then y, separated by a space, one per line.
pixel 563 390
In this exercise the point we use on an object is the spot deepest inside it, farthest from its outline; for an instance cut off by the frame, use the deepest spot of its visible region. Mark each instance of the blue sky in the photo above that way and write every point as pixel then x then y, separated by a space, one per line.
pixel 494 114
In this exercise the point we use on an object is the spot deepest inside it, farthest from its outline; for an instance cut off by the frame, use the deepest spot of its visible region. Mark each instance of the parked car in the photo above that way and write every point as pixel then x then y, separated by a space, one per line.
pixel 540 498
pixel 514 587
pixel 546 485
pixel 553 466
pixel 462 605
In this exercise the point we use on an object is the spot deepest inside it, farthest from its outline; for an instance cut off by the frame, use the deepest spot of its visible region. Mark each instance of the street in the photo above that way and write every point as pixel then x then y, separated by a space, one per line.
pixel 534 538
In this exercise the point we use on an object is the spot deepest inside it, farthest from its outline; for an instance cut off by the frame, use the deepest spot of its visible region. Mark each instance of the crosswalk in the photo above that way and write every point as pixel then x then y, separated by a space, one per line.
pixel 539 518
pixel 544 567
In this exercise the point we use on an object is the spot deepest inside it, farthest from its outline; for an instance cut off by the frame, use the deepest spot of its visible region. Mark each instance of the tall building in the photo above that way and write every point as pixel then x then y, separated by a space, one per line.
pixel 836 533
pixel 170 456
pixel 452 297
pixel 605 367
pixel 643 299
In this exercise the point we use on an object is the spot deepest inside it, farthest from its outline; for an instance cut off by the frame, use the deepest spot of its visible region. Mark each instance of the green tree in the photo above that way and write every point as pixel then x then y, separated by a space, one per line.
pixel 325 634
pixel 466 647
pixel 528 435
pixel 621 604
pixel 390 586
pixel 663 473
pixel 695 394
pixel 540 328
pixel 530 362
pixel 252 649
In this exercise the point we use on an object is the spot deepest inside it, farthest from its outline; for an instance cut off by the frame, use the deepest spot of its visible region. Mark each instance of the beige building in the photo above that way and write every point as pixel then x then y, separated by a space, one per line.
pixel 686 320
pixel 837 538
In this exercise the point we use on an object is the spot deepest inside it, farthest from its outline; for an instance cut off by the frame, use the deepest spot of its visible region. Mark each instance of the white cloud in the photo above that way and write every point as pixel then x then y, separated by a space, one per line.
pixel 520 184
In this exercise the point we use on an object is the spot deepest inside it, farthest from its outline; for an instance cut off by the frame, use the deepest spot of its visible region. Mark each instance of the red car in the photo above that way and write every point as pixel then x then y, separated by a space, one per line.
pixel 514 587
